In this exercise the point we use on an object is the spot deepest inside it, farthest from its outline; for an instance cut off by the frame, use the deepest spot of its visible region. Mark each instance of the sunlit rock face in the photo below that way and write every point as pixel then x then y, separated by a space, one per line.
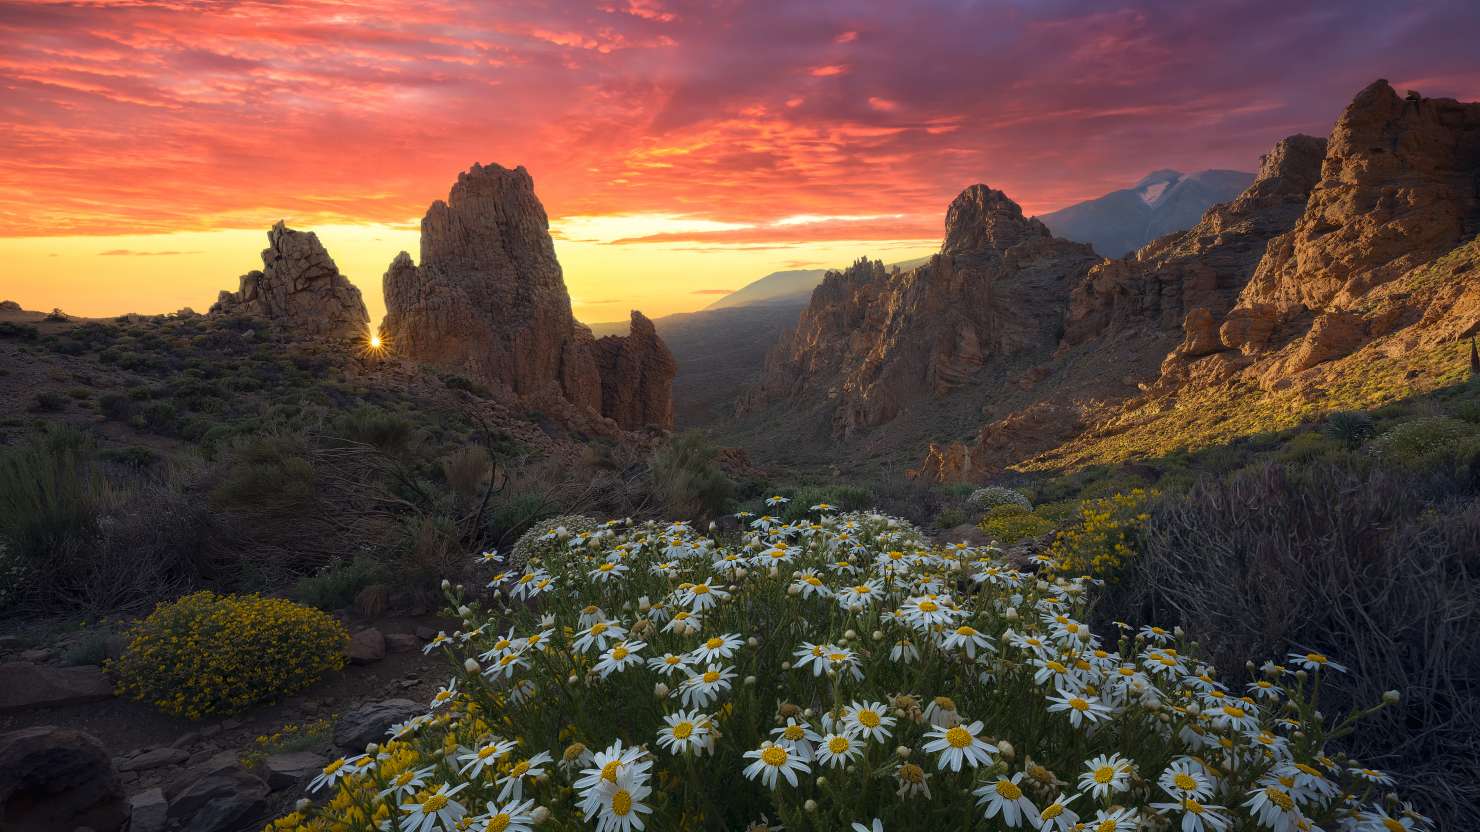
pixel 300 288
pixel 876 341
pixel 489 301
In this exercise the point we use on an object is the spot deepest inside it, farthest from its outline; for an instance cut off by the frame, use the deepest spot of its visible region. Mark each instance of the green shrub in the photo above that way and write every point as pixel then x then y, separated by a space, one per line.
pixel 514 514
pixel 950 517
pixel 207 654
pixel 135 456
pixel 1422 443
pixel 688 481
pixel 335 586
pixel 1010 523
pixel 20 332
pixel 1307 447
pixel 983 499
pixel 267 474
pixel 1351 427
pixel 387 432
pixel 48 401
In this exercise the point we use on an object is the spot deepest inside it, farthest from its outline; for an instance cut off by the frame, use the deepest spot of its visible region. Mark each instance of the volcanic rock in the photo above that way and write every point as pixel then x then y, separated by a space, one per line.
pixel 299 287
pixel 56 778
pixel 369 722
pixel 36 685
pixel 878 341
pixel 489 301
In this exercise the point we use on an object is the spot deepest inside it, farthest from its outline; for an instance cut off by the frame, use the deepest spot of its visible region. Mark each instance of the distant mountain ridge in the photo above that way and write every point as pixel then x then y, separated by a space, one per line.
pixel 1163 202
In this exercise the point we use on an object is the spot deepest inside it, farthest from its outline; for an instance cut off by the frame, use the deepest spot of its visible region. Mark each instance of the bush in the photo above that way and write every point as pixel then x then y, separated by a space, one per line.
pixel 600 704
pixel 48 401
pixel 1422 443
pixel 688 481
pixel 207 654
pixel 1009 523
pixel 1380 566
pixel 993 495
pixel 513 514
pixel 335 586
pixel 549 537
pixel 1103 538
pixel 1350 427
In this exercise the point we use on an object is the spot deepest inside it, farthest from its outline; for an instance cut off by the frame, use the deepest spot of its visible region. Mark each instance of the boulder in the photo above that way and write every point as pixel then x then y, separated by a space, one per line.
pixel 289 769
pixel 148 811
pixel 56 778
pixel 403 642
pixel 27 685
pixel 366 646
pixel 223 798
pixel 369 722
pixel 1200 334
pixel 299 287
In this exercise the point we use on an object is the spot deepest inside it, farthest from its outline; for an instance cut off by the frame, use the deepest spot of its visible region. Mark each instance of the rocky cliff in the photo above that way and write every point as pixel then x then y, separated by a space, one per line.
pixel 1346 276
pixel 874 342
pixel 488 300
pixel 299 287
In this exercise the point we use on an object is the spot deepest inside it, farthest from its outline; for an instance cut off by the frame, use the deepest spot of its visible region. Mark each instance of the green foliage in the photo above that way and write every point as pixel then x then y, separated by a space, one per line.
pixel 90 648
pixel 1307 447
pixel 19 332
pixel 48 401
pixel 1422 443
pixel 1351 427
pixel 514 514
pixel 335 586
pixel 1009 523
pixel 267 474
pixel 688 481
pixel 207 654
pixel 389 433
pixel 995 495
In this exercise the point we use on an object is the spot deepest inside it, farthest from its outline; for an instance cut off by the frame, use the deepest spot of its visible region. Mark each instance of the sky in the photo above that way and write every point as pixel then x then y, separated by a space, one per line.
pixel 682 149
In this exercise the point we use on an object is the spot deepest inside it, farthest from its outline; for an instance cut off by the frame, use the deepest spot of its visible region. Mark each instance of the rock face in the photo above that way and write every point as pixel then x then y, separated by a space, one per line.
pixel 637 376
pixel 54 778
pixel 369 722
pixel 37 685
pixel 875 342
pixel 300 287
pixel 489 300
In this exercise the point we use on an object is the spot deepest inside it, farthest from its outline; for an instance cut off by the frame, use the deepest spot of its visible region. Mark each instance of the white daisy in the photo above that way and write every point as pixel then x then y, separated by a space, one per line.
pixel 772 760
pixel 958 744
pixel 1005 796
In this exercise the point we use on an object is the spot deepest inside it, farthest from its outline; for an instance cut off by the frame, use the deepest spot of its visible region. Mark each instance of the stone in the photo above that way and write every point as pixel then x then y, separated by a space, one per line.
pixel 489 301
pixel 29 685
pixel 300 288
pixel 402 642
pixel 186 740
pixel 148 811
pixel 1200 333
pixel 292 768
pixel 56 778
pixel 221 796
pixel 874 342
pixel 366 646
pixel 154 758
pixel 37 655
pixel 425 633
pixel 369 722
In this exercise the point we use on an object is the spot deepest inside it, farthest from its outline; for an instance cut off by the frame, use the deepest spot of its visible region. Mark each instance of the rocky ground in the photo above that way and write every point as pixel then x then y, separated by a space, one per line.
pixel 72 755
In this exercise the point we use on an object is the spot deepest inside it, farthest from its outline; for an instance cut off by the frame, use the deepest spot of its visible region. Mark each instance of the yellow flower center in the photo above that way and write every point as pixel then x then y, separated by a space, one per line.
pixel 1315 658
pixel 1393 826
pixel 813 580
pixel 1184 781
pixel 1106 825
pixel 711 676
pixel 838 745
pixel 867 718
pixel 966 631
pixel 1055 666
pixel 435 803
pixel 403 778
pixel 945 702
pixel 700 589
pixel 1193 806
pixel 497 823
pixel 1008 790
pixel 607 567
pixel 714 643
pixel 598 628
pixel 1234 711
pixel 487 751
pixel 619 652
pixel 1104 774
pixel 672 660
pixel 334 766
pixel 1279 798
pixel 683 730
pixel 959 737
pixel 774 755
pixel 1079 704
pixel 794 732
pixel 862 589
pixel 928 606
pixel 520 769
pixel 1053 811
pixel 911 773
pixel 621 803
pixel 609 771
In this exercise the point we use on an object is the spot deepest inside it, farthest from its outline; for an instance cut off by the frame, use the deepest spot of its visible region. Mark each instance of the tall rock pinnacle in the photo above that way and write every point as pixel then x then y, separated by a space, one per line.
pixel 299 287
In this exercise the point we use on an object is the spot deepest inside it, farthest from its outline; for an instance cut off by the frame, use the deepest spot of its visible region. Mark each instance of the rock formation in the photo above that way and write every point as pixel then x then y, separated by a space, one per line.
pixel 876 342
pixel 489 301
pixel 299 287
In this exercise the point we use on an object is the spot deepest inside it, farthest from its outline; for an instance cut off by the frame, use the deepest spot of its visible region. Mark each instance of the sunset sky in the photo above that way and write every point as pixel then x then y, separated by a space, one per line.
pixel 681 149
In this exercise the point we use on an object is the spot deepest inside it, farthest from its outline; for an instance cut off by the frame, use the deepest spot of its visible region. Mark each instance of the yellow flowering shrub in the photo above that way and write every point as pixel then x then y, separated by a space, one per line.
pixel 1008 523
pixel 207 654
pixel 1102 539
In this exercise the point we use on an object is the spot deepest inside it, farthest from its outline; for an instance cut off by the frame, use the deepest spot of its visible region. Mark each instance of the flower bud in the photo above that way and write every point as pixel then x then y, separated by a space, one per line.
pixel 1392 697
pixel 660 690
pixel 446 584
pixel 902 752
pixel 464 611
pixel 572 679
pixel 1011 614
pixel 750 680
pixel 471 665
pixel 810 806
pixel 850 635
pixel 1006 750
pixel 878 635
pixel 540 814
pixel 753 641
pixel 822 781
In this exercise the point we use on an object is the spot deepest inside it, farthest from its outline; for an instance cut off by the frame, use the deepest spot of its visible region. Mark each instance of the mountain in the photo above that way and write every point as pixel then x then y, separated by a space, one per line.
pixel 777 287
pixel 1346 275
pixel 1164 202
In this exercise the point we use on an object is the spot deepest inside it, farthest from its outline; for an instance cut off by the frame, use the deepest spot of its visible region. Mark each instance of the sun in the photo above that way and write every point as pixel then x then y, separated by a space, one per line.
pixel 373 346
